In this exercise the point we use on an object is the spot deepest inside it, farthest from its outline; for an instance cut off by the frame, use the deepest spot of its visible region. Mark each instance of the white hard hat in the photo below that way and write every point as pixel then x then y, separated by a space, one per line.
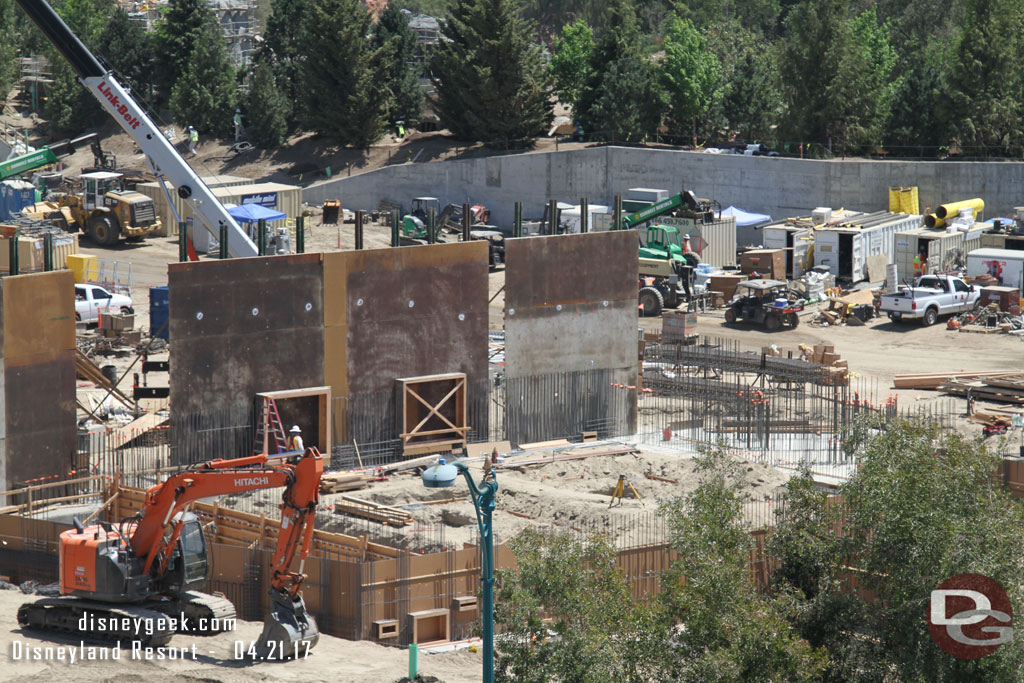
pixel 295 429
pixel 686 237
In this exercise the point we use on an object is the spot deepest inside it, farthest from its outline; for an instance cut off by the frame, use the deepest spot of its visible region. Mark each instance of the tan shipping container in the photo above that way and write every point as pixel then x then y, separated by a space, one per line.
pixel 30 252
pixel 168 223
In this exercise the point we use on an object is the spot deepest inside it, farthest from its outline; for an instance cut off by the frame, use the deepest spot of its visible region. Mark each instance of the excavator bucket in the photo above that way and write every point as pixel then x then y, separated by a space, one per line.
pixel 289 631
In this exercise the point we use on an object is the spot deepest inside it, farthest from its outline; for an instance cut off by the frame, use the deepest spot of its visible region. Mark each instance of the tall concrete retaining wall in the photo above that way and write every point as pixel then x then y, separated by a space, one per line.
pixel 776 186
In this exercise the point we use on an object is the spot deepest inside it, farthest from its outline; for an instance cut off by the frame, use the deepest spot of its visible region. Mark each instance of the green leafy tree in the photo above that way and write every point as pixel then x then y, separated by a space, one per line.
pixel 919 116
pixel 689 73
pixel 601 634
pixel 283 43
pixel 204 95
pixel 490 79
pixel 267 108
pixel 621 99
pixel 923 507
pixel 730 632
pixel 175 38
pixel 392 34
pixel 748 103
pixel 570 63
pixel 123 45
pixel 986 84
pixel 341 74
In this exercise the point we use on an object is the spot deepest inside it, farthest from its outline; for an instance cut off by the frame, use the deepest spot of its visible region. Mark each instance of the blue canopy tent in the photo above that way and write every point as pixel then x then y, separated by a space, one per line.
pixel 748 226
pixel 252 213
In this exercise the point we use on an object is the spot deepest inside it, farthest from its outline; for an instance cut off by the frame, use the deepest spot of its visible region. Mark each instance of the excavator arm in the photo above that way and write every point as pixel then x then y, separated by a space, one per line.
pixel 287 625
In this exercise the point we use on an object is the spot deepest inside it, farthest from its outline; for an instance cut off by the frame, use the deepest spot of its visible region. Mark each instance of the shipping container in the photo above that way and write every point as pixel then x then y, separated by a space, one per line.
pixel 570 218
pixel 1005 265
pixel 30 252
pixel 796 241
pixel 168 223
pixel 1014 242
pixel 719 234
pixel 845 245
pixel 939 250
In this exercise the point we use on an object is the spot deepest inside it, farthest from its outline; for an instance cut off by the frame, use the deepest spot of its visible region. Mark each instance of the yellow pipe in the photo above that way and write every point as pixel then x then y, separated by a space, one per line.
pixel 932 221
pixel 976 205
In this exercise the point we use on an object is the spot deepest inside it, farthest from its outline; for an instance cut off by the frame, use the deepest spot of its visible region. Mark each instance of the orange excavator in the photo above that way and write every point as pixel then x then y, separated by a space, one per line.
pixel 136 580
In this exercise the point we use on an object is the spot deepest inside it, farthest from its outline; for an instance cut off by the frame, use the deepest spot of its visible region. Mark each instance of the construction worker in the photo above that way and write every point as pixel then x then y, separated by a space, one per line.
pixel 919 264
pixel 687 249
pixel 238 124
pixel 295 440
pixel 193 140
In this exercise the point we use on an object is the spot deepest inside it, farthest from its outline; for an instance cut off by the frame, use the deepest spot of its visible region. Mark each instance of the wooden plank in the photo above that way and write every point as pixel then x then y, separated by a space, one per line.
pixel 544 444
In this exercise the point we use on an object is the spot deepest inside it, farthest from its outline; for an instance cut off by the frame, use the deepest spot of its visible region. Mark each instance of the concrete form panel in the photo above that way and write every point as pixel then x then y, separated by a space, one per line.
pixel 243 326
pixel 570 304
pixel 37 340
pixel 393 313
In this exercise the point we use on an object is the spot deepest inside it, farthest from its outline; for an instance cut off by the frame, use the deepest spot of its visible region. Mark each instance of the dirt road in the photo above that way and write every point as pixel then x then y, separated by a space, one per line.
pixel 26 657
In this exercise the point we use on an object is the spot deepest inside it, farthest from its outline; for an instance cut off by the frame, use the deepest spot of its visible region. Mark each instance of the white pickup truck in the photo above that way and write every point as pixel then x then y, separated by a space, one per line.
pixel 91 300
pixel 930 297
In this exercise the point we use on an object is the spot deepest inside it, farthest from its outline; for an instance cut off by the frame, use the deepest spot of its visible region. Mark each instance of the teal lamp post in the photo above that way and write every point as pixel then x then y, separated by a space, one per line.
pixel 443 475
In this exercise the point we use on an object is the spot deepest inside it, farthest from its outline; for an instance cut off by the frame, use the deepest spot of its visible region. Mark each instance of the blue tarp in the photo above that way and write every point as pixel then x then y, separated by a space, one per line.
pixel 251 213
pixel 746 218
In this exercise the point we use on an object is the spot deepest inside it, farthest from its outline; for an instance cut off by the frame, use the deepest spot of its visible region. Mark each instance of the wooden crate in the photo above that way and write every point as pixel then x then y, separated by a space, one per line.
pixel 431 413
pixel 678 326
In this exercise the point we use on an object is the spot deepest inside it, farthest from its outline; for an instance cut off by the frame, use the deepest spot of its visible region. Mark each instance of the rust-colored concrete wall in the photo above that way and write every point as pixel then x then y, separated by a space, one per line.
pixel 570 303
pixel 243 326
pixel 37 380
pixel 391 313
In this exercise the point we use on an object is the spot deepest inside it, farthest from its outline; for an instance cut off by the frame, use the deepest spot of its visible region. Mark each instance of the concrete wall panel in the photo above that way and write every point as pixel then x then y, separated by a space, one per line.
pixel 367 306
pixel 778 187
pixel 244 326
pixel 570 304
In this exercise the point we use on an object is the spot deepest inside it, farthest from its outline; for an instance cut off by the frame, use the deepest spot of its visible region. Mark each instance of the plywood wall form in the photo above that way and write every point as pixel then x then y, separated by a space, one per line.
pixel 242 326
pixel 37 350
pixel 392 313
pixel 570 303
pixel 570 307
pixel 354 321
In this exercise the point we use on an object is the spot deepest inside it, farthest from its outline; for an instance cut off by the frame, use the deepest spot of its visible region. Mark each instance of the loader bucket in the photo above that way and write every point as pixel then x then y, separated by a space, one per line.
pixel 289 632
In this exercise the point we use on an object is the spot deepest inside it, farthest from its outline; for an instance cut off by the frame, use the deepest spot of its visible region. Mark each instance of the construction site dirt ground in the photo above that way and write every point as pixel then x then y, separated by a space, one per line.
pixel 216 660
pixel 566 495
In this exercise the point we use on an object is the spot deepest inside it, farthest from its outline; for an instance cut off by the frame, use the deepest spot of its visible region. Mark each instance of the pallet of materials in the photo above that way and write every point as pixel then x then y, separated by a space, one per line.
pixel 335 482
pixel 1003 389
pixel 377 512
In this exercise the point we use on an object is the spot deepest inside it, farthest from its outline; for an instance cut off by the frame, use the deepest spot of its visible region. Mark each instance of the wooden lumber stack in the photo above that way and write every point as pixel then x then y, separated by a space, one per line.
pixel 1001 389
pixel 933 380
pixel 825 354
pixel 367 509
pixel 336 482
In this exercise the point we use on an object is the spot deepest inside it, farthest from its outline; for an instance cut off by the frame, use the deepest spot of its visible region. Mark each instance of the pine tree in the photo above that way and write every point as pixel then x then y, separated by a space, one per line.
pixel 283 46
pixel 8 48
pixel 69 108
pixel 491 83
pixel 341 74
pixel 267 108
pixel 204 96
pixel 401 72
pixel 986 85
pixel 621 99
pixel 174 41
pixel 690 74
pixel 124 46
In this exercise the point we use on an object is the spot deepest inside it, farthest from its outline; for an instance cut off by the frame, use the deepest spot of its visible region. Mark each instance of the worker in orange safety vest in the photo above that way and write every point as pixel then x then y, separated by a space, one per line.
pixel 295 440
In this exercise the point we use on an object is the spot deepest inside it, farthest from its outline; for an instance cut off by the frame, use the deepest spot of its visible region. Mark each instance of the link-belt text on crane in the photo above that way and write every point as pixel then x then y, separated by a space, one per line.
pixel 118 106
pixel 252 481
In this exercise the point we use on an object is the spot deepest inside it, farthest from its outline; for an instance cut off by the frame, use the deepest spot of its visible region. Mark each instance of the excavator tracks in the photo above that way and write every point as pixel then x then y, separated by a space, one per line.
pixel 204 614
pixel 96 620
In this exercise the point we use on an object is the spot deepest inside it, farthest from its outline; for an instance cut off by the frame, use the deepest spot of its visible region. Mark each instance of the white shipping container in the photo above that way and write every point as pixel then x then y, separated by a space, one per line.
pixel 797 243
pixel 845 250
pixel 570 218
pixel 1005 265
pixel 940 249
